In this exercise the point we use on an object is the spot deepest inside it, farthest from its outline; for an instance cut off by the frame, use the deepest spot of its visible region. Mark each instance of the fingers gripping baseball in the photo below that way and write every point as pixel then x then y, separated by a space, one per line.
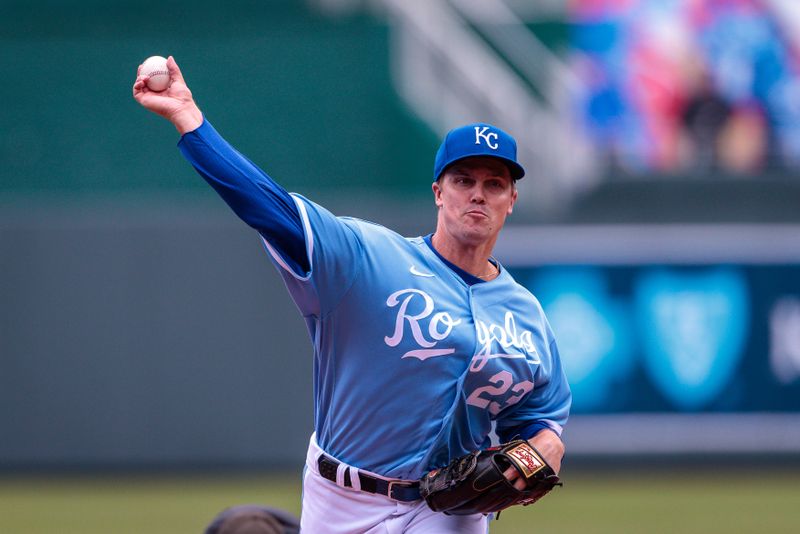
pixel 175 103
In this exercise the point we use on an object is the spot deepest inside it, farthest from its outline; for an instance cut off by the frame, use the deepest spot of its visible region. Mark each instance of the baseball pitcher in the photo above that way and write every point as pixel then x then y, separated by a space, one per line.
pixel 424 347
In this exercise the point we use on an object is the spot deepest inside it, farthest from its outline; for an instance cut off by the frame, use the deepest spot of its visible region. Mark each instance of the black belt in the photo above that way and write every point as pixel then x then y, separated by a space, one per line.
pixel 399 490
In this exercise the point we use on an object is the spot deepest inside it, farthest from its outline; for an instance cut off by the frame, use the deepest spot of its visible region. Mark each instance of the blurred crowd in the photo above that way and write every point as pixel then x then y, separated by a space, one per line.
pixel 687 86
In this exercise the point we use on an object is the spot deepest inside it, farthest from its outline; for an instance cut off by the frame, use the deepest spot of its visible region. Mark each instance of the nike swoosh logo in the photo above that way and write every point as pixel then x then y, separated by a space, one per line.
pixel 413 270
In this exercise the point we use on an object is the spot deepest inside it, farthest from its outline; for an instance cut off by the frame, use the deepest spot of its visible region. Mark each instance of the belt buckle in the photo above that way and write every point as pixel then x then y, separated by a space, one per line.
pixel 398 483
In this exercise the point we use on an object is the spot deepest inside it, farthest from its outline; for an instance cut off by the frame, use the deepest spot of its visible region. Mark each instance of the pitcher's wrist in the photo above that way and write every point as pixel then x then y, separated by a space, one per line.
pixel 187 120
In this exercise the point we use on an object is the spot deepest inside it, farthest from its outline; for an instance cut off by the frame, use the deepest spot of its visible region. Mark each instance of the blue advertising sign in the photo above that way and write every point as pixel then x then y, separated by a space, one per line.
pixel 668 330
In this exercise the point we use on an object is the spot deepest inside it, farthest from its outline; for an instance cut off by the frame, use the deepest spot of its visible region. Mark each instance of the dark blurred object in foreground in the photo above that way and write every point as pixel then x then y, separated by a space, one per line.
pixel 253 519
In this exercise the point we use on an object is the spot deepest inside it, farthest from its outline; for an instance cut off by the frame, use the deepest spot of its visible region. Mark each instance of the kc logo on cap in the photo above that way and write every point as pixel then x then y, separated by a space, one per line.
pixel 480 133
pixel 477 140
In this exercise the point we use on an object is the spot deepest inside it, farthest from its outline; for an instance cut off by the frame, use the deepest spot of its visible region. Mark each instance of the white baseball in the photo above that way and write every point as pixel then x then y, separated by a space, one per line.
pixel 156 68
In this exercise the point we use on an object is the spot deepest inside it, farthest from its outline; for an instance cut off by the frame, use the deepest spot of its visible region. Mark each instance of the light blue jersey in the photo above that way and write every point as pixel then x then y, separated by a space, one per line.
pixel 411 364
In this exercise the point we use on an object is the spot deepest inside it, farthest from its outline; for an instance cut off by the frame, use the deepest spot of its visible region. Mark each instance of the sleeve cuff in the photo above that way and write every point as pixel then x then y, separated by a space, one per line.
pixel 200 130
pixel 524 432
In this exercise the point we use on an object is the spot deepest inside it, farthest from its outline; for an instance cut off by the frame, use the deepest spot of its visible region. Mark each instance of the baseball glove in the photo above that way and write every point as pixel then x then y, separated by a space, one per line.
pixel 475 483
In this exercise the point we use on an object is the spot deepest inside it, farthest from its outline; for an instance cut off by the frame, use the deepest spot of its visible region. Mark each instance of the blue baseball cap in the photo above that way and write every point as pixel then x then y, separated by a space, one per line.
pixel 478 139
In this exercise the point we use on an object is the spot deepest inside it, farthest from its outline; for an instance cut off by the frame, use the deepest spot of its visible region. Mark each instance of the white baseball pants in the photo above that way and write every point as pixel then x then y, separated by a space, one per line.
pixel 329 508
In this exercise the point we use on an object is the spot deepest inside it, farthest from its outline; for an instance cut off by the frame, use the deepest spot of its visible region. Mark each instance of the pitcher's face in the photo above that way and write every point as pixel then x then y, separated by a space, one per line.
pixel 474 197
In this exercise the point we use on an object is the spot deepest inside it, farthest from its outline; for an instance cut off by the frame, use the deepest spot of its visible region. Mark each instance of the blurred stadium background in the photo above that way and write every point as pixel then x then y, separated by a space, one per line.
pixel 151 369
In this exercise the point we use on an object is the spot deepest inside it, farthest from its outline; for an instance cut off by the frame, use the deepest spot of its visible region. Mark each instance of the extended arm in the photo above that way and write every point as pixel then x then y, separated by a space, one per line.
pixel 250 192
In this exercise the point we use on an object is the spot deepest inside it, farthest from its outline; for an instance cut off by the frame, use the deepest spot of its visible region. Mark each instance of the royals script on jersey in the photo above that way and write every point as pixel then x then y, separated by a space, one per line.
pixel 412 364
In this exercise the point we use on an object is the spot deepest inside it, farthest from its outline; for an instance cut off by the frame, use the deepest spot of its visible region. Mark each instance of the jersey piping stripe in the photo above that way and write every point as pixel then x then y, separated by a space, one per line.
pixel 309 245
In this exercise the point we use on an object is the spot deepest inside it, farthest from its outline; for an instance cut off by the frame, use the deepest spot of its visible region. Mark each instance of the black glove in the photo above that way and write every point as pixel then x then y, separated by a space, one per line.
pixel 475 483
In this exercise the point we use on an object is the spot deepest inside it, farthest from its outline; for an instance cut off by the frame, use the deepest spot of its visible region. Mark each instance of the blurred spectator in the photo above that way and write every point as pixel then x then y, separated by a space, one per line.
pixel 253 519
pixel 704 117
pixel 743 142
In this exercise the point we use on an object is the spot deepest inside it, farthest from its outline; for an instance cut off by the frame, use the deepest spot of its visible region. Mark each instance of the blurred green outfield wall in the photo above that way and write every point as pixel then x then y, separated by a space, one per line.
pixel 307 97
pixel 140 322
